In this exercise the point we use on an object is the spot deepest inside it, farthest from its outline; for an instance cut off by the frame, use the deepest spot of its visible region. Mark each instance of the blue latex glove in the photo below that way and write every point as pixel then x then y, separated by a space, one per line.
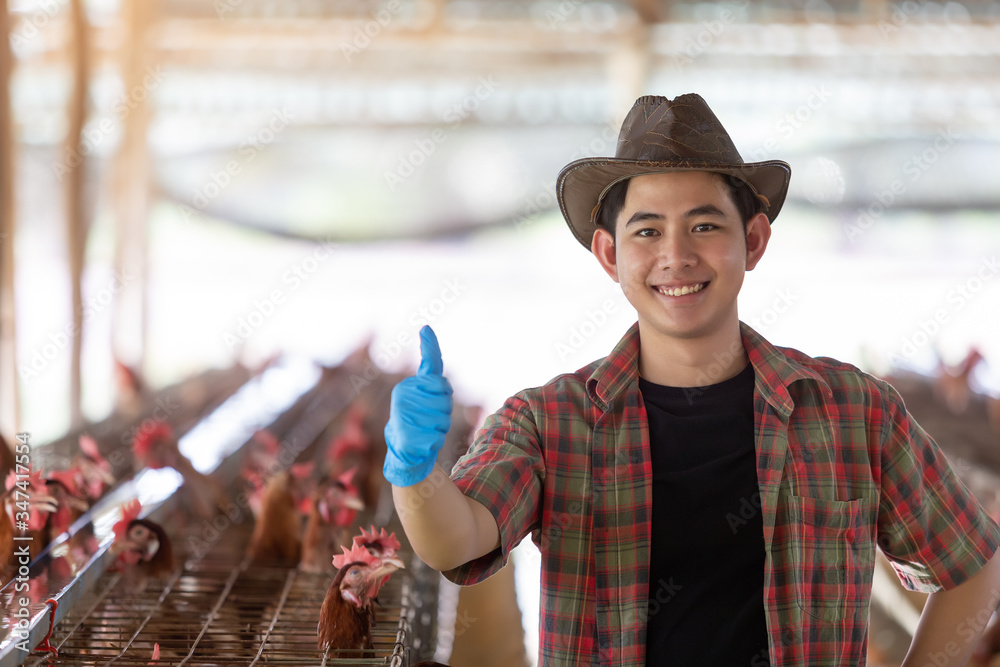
pixel 419 417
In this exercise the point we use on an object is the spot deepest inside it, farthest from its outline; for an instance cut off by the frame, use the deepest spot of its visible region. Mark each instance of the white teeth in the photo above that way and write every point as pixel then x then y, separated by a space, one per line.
pixel 681 291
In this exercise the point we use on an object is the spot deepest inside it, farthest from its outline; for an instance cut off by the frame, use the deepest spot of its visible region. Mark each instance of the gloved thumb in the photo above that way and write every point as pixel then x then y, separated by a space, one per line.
pixel 430 353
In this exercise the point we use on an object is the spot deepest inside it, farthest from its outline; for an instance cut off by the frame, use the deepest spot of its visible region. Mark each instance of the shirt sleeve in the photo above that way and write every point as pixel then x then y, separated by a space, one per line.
pixel 930 526
pixel 504 470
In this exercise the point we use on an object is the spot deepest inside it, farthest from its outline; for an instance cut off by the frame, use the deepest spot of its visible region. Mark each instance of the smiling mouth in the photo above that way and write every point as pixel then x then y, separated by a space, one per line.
pixel 681 291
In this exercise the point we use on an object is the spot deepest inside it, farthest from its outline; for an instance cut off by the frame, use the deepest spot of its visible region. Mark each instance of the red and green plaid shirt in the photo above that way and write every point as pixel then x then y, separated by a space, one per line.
pixel 841 468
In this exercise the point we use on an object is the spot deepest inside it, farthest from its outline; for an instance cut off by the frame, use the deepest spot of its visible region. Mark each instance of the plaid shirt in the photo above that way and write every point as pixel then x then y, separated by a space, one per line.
pixel 840 467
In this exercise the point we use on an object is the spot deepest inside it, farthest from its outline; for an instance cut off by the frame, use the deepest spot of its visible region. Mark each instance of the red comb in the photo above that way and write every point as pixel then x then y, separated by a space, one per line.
pixel 145 440
pixel 34 479
pixel 347 477
pixel 386 542
pixel 356 554
pixel 130 512
pixel 68 479
pixel 89 447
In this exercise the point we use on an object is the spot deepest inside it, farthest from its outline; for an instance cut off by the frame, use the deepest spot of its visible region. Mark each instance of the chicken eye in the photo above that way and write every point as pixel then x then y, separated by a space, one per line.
pixel 139 533
pixel 354 572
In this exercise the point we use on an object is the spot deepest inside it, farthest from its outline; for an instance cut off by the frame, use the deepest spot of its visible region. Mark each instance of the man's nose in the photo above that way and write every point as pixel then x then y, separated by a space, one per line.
pixel 675 250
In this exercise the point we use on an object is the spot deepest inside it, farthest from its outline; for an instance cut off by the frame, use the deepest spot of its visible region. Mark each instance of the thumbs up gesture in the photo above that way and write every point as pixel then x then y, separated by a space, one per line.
pixel 419 417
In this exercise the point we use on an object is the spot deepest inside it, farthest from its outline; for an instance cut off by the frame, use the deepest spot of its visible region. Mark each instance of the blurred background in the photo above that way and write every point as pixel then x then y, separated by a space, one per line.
pixel 191 184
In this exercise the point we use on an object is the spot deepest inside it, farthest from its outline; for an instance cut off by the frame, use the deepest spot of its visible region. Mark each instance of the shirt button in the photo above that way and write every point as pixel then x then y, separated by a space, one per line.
pixel 849 534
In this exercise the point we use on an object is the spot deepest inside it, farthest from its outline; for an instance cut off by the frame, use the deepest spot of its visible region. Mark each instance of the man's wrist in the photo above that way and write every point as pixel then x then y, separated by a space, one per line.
pixel 403 474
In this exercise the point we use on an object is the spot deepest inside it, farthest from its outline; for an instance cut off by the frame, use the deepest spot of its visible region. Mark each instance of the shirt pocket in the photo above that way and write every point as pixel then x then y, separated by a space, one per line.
pixel 832 556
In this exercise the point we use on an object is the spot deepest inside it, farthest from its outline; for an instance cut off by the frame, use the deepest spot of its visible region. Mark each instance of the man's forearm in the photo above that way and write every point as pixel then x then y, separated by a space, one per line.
pixel 445 527
pixel 952 621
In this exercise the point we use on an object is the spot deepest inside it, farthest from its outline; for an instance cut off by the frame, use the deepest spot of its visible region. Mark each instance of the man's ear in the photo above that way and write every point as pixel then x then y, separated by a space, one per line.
pixel 603 247
pixel 758 234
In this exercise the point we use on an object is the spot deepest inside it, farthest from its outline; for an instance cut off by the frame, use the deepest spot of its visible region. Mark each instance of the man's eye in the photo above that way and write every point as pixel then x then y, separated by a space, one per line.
pixel 705 226
pixel 646 232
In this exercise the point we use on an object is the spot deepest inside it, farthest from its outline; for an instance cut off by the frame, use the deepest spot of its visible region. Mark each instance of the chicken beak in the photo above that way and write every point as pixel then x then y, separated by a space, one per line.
pixel 388 566
pixel 78 504
pixel 354 503
pixel 105 474
pixel 45 503
pixel 324 510
pixel 151 548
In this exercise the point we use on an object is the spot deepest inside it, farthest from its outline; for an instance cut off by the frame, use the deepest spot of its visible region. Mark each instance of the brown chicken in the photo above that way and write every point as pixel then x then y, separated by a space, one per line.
pixel 70 506
pixel 141 548
pixel 156 447
pixel 348 614
pixel 260 463
pixel 952 384
pixel 360 445
pixel 94 475
pixel 333 507
pixel 131 388
pixel 277 534
pixel 26 505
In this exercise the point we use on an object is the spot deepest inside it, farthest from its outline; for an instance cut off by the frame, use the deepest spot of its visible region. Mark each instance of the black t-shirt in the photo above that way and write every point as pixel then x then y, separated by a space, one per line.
pixel 706 571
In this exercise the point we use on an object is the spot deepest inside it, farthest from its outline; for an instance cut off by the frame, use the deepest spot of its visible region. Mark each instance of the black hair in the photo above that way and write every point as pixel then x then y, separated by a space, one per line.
pixel 742 195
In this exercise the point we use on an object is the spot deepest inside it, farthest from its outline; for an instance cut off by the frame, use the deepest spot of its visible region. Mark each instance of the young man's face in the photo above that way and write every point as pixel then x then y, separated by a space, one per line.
pixel 680 253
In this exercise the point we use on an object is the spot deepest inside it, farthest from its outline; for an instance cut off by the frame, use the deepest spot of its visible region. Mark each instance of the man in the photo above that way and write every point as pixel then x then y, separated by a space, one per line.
pixel 634 474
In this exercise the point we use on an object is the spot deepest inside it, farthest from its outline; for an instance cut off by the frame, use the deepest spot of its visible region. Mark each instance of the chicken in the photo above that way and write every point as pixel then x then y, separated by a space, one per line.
pixel 141 548
pixel 348 614
pixel 259 463
pixel 94 470
pixel 63 487
pixel 952 385
pixel 333 507
pixel 156 447
pixel 27 506
pixel 131 389
pixel 351 445
pixel 360 445
pixel 277 533
pixel 78 487
pixel 75 490
pixel 262 453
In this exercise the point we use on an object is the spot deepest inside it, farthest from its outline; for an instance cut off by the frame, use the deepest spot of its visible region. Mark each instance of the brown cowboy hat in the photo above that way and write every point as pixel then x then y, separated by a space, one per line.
pixel 661 135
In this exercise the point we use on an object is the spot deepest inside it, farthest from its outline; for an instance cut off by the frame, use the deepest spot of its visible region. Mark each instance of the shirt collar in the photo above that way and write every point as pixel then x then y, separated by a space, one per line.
pixel 775 370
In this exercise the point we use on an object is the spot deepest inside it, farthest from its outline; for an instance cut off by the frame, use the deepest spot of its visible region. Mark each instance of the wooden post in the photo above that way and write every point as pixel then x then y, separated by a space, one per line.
pixel 77 224
pixel 488 630
pixel 131 191
pixel 10 408
pixel 628 66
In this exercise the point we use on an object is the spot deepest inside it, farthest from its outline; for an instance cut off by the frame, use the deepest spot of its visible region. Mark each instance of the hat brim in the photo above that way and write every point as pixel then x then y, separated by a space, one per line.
pixel 583 183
